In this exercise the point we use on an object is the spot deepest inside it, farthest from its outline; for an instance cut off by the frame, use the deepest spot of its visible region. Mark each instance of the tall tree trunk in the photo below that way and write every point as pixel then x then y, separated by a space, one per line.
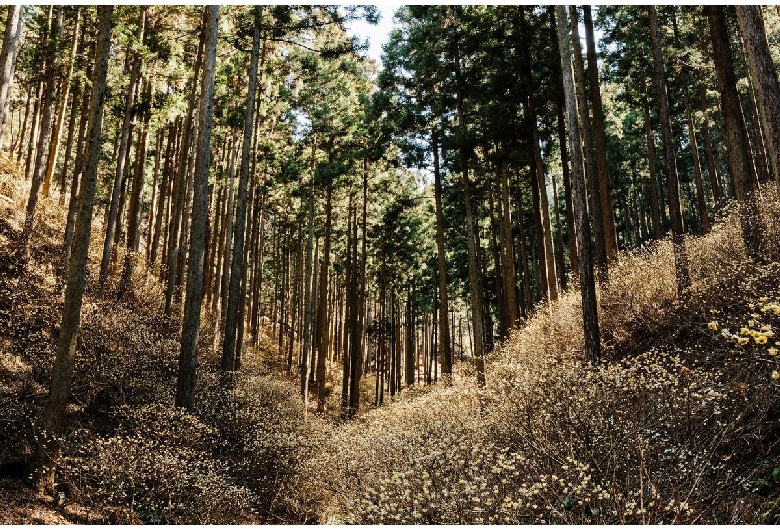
pixel 49 425
pixel 11 39
pixel 78 167
pixel 357 341
pixel 229 341
pixel 590 320
pixel 47 102
pixel 322 308
pixel 134 213
pixel 445 346
pixel 743 172
pixel 712 169
pixel 34 130
pixel 571 229
pixel 600 141
pixel 589 153
pixel 308 285
pixel 188 354
pixel 475 270
pixel 180 187
pixel 670 161
pixel 124 147
pixel 700 199
pixel 60 117
pixel 655 212
pixel 751 25
pixel 74 105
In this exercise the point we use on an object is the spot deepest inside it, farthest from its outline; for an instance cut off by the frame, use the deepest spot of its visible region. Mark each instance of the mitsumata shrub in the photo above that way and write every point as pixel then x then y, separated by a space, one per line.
pixel 678 425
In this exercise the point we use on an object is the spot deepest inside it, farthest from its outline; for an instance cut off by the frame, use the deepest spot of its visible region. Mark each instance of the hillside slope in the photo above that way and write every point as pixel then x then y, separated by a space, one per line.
pixel 680 424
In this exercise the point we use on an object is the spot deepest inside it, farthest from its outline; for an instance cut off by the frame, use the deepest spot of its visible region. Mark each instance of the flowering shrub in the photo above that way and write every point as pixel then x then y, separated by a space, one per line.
pixel 678 425
pixel 157 468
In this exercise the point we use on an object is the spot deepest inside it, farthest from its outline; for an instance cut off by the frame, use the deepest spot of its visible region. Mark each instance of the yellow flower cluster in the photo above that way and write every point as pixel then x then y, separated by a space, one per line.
pixel 755 329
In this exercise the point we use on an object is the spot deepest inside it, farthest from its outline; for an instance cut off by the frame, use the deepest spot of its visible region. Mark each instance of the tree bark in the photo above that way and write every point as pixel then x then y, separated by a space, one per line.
pixel 475 270
pixel 12 37
pixel 47 102
pixel 60 117
pixel 124 146
pixel 600 141
pixel 762 68
pixel 740 161
pixel 589 153
pixel 590 320
pixel 188 355
pixel 670 161
pixel 229 341
pixel 445 346
pixel 49 426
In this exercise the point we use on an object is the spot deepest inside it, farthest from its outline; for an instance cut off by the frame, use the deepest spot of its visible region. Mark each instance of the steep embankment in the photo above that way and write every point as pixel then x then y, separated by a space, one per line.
pixel 129 456
pixel 680 424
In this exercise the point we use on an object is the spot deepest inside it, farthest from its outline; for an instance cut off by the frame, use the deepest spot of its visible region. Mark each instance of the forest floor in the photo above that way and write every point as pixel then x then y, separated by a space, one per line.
pixel 679 424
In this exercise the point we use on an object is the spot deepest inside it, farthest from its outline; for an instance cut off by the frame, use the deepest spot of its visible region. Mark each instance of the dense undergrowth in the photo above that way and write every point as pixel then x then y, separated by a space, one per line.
pixel 679 424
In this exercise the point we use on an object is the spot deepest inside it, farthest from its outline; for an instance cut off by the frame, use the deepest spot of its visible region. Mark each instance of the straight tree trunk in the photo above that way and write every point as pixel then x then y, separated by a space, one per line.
pixel 571 230
pixel 134 213
pixel 322 308
pixel 49 425
pixel 308 285
pixel 590 321
pixel 589 153
pixel 60 117
pixel 670 161
pixel 445 346
pixel 358 340
pixel 743 171
pixel 229 341
pixel 34 131
pixel 124 147
pixel 475 270
pixel 188 354
pixel 600 141
pixel 78 166
pixel 655 212
pixel 11 39
pixel 762 68
pixel 74 105
pixel 47 102
pixel 712 170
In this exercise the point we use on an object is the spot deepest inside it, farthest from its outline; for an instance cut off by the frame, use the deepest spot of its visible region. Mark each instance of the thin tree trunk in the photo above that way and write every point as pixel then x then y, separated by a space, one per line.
pixel 47 103
pixel 49 425
pixel 670 161
pixel 60 117
pixel 712 169
pixel 589 153
pixel 590 322
pixel 188 354
pixel 441 262
pixel 475 271
pixel 600 141
pixel 655 212
pixel 124 147
pixel 322 308
pixel 180 187
pixel 11 39
pixel 229 341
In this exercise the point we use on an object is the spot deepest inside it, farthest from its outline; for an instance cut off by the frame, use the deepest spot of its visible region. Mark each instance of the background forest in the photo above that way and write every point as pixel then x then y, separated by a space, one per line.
pixel 513 274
